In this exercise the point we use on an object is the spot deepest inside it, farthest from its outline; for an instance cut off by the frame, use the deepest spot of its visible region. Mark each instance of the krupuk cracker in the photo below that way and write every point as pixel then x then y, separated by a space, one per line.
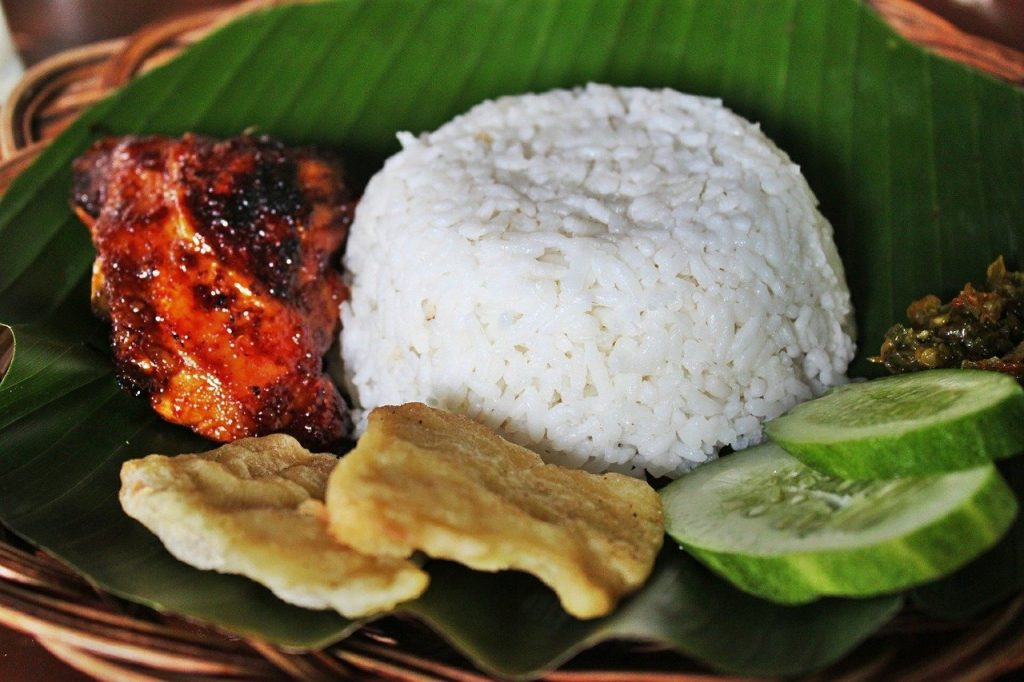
pixel 255 508
pixel 423 479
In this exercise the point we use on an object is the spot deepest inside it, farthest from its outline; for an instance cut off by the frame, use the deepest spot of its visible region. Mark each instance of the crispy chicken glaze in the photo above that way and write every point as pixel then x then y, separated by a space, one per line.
pixel 215 267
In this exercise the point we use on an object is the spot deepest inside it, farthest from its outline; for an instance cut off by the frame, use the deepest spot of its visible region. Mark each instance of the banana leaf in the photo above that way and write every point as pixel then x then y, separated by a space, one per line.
pixel 916 162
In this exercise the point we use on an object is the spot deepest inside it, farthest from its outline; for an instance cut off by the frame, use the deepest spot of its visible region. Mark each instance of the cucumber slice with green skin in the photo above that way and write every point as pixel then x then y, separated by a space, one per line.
pixel 907 425
pixel 782 531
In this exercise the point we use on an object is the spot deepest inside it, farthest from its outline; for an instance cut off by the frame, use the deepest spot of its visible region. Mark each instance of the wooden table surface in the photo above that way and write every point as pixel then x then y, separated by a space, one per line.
pixel 41 28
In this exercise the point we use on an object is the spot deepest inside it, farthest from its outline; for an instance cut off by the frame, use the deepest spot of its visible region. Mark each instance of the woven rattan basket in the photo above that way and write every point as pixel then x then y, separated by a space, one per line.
pixel 114 640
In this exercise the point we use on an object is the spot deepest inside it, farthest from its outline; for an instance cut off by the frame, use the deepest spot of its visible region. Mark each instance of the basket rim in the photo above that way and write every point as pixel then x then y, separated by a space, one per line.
pixel 41 79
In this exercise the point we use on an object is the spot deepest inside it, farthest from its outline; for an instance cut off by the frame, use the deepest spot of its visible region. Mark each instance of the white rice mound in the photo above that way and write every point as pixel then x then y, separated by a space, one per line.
pixel 619 278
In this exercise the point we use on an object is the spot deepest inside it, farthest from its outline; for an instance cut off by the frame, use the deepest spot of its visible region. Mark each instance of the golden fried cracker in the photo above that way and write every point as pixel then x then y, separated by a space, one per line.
pixel 423 479
pixel 254 507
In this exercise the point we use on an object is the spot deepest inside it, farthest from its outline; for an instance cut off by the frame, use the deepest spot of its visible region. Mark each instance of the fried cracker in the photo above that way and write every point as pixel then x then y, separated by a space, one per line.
pixel 255 507
pixel 423 479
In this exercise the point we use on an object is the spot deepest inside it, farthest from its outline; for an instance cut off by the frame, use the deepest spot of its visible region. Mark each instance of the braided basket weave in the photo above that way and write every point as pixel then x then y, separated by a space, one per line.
pixel 114 640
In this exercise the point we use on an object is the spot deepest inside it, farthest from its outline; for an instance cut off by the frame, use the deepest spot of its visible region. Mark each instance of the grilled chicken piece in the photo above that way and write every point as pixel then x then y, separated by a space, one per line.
pixel 214 266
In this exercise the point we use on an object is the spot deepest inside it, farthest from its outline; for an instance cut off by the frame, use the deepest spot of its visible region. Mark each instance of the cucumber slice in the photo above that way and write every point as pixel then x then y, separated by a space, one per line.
pixel 907 425
pixel 780 530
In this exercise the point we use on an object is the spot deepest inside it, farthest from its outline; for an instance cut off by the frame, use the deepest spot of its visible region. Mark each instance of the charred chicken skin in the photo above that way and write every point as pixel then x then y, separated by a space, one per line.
pixel 215 267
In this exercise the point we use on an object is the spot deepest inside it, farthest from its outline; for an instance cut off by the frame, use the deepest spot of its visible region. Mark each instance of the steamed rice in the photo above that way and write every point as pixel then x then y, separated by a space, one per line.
pixel 618 278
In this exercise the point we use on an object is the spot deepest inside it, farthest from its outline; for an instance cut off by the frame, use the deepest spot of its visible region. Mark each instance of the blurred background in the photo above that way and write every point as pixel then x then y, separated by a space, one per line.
pixel 44 27
pixel 998 20
pixel 40 28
